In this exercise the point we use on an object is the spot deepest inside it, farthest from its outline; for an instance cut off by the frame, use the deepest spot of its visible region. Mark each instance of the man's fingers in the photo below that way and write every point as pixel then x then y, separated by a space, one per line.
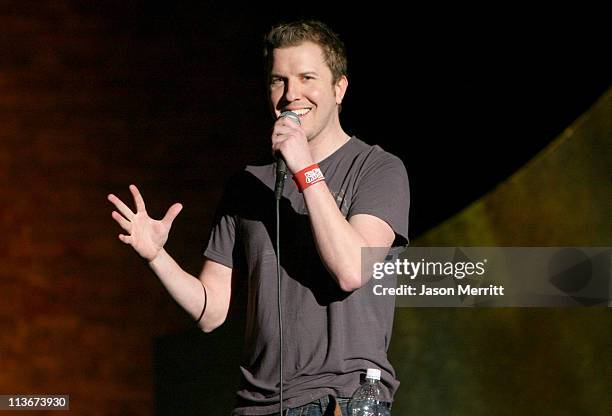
pixel 125 224
pixel 123 209
pixel 281 131
pixel 125 239
pixel 140 205
pixel 173 211
pixel 286 121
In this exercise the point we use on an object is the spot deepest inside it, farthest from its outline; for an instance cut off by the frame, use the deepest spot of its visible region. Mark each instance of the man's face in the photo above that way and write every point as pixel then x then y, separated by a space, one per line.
pixel 301 81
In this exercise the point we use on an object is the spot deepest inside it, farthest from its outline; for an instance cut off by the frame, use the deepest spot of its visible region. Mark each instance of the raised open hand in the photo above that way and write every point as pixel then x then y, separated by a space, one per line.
pixel 146 235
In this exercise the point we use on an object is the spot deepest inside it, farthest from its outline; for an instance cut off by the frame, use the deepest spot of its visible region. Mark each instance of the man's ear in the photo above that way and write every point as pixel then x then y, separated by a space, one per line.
pixel 340 88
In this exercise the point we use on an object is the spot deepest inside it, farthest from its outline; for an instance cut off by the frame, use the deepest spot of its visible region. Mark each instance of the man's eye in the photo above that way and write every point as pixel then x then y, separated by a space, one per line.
pixel 276 81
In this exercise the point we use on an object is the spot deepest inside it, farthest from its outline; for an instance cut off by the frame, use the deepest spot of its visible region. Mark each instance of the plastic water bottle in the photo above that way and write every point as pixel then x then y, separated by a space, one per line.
pixel 366 401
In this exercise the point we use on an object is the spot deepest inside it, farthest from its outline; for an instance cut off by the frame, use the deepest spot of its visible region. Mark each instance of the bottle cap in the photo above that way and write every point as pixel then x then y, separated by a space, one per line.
pixel 373 373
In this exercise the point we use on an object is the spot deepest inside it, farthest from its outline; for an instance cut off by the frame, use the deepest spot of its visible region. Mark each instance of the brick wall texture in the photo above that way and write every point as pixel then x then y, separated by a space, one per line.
pixel 92 100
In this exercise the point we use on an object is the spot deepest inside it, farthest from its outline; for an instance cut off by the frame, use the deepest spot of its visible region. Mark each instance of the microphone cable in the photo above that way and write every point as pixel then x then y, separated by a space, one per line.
pixel 280 307
pixel 281 169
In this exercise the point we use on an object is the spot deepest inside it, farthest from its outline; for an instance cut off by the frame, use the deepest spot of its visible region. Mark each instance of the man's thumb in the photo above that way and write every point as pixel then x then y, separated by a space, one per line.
pixel 173 211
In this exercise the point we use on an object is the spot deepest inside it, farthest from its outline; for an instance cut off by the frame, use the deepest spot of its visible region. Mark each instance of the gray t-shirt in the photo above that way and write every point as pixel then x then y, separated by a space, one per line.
pixel 330 336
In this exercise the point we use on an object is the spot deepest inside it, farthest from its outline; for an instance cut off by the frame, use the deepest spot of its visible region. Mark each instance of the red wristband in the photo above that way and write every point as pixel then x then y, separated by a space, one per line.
pixel 308 176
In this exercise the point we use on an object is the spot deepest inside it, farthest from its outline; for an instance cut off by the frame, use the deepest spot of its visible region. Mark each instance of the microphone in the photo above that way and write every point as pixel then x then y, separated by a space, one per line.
pixel 281 166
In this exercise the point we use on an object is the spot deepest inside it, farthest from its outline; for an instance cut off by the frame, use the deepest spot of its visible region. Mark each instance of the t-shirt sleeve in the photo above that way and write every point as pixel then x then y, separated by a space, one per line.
pixel 221 242
pixel 222 238
pixel 382 190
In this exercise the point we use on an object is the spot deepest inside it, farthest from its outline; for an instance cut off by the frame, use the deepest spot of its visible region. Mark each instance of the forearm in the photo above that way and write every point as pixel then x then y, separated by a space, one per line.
pixel 338 243
pixel 186 289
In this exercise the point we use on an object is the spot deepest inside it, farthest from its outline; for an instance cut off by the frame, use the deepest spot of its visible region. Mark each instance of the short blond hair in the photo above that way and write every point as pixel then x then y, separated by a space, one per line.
pixel 295 33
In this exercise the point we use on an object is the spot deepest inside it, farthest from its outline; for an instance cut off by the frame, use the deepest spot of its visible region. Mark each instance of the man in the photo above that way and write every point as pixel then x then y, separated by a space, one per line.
pixel 346 195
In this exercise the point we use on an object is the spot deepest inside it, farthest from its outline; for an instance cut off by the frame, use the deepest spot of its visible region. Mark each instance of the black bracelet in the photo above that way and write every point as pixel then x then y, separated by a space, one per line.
pixel 205 302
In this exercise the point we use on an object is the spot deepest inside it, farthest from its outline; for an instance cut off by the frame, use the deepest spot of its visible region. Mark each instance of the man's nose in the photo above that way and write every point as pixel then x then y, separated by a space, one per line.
pixel 292 90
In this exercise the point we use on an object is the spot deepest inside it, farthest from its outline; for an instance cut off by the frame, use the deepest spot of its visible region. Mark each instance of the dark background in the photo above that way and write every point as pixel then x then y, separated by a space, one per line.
pixel 465 97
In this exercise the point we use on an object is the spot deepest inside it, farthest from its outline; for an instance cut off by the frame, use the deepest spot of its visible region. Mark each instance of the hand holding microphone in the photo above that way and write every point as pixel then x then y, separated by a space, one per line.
pixel 290 147
pixel 281 166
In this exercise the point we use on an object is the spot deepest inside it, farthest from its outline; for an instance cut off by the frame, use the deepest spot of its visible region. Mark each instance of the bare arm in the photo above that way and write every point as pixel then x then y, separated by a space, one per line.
pixel 148 236
pixel 339 241
pixel 188 292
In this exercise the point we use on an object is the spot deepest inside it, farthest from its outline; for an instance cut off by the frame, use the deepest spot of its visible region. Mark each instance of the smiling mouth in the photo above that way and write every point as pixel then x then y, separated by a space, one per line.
pixel 301 112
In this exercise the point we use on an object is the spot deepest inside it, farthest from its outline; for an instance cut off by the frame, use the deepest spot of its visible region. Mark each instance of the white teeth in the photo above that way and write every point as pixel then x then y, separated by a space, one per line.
pixel 301 111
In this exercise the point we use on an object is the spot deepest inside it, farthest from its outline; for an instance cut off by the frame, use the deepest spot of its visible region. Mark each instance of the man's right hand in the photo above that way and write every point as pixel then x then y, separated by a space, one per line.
pixel 146 235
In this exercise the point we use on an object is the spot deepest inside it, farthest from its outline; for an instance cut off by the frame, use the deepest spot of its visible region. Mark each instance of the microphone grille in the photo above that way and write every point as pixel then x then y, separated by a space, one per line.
pixel 292 116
